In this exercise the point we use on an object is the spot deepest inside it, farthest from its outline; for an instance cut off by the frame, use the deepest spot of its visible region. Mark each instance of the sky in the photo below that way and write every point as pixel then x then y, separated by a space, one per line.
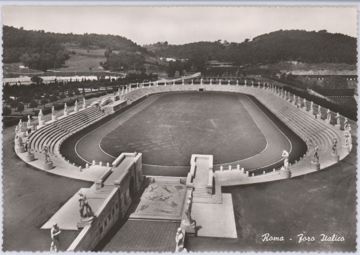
pixel 178 25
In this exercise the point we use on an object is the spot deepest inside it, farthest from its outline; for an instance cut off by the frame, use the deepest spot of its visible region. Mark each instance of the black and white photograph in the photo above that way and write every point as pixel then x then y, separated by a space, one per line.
pixel 202 127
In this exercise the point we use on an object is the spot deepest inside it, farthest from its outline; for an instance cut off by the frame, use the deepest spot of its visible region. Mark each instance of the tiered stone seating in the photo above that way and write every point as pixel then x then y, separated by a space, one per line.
pixel 307 127
pixel 52 133
pixel 300 120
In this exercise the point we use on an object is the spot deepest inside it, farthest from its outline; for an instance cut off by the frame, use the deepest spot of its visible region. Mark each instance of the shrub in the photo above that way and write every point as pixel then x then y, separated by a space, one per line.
pixel 6 111
pixel 20 107
pixel 45 110
pixel 33 104
pixel 58 106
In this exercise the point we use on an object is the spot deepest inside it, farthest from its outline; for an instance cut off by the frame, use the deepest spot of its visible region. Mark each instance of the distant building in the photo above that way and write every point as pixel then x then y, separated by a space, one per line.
pixel 173 59
pixel 219 64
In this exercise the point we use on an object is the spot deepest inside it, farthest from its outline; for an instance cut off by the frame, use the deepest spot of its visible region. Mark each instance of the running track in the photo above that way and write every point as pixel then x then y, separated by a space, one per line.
pixel 87 147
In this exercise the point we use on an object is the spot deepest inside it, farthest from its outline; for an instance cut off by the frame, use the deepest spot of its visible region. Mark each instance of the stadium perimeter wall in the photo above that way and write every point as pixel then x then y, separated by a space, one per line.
pixel 106 218
pixel 266 94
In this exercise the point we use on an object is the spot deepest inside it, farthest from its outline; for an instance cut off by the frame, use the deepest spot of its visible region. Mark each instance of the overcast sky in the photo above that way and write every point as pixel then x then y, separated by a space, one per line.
pixel 179 25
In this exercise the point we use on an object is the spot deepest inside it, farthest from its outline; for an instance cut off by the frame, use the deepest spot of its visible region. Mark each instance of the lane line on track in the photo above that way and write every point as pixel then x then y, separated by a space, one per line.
pixel 138 109
pixel 131 112
pixel 250 101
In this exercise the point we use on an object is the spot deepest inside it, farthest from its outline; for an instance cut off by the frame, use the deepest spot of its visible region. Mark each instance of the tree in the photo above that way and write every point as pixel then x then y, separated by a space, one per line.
pixel 107 53
pixel 36 79
pixel 33 104
pixel 13 104
pixel 20 107
pixel 43 101
pixel 6 111
pixel 53 98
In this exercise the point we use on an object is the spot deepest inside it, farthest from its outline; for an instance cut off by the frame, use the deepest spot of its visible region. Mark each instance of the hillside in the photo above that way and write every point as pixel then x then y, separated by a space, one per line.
pixel 27 51
pixel 299 45
pixel 41 50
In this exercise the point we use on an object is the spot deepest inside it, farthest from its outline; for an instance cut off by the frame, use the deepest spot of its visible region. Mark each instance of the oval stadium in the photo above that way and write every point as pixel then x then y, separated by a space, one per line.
pixel 152 159
pixel 179 128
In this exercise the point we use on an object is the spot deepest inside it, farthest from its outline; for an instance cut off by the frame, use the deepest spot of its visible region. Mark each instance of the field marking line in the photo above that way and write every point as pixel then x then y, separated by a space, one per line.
pixel 249 100
pixel 131 114
pixel 184 166
pixel 78 154
pixel 261 152
pixel 273 124
pixel 106 123
pixel 290 143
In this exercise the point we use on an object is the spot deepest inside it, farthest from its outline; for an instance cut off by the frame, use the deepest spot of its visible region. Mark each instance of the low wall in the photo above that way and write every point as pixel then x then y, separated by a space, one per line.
pixel 116 205
pixel 240 177
pixel 67 147
pixel 105 219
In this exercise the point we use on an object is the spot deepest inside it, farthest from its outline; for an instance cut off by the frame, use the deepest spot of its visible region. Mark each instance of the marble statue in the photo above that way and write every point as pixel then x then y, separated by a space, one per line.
pixel 46 154
pixel 285 156
pixel 65 110
pixel 29 121
pixel 55 238
pixel 85 209
pixel 334 147
pixel 316 155
pixel 328 115
pixel 179 240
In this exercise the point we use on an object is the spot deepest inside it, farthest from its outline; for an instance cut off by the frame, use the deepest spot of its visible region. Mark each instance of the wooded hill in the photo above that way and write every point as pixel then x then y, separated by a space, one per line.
pixel 298 45
pixel 45 50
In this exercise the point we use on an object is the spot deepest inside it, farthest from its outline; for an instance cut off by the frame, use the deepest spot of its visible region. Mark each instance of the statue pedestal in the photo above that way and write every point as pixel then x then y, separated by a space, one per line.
pixel 85 222
pixel 20 148
pixel 189 227
pixel 53 118
pixel 316 165
pixel 336 157
pixel 338 126
pixel 287 173
pixel 29 157
pixel 18 142
pixel 48 165
pixel 41 124
pixel 348 147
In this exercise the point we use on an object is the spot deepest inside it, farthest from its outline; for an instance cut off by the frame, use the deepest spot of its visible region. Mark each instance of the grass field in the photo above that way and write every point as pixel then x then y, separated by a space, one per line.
pixel 83 60
pixel 178 125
